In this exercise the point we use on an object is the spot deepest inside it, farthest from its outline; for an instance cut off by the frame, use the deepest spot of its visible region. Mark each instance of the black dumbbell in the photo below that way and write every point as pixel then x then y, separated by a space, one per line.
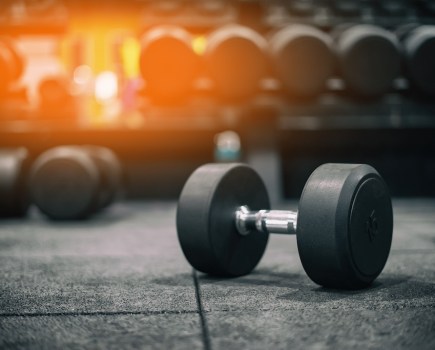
pixel 419 56
pixel 344 223
pixel 11 64
pixel 168 62
pixel 235 59
pixel 302 59
pixel 14 199
pixel 54 93
pixel 73 182
pixel 368 58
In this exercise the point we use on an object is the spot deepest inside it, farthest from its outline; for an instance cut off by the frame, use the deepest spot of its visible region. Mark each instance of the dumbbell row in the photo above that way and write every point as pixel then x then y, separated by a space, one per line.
pixel 368 58
pixel 298 8
pixel 65 183
pixel 236 58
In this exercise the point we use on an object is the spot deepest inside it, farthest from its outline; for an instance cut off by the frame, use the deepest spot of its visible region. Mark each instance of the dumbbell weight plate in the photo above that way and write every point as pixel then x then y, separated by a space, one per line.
pixel 64 183
pixel 206 223
pixel 302 58
pixel 110 173
pixel 345 225
pixel 369 59
pixel 236 61
pixel 15 63
pixel 14 200
pixel 168 62
pixel 419 51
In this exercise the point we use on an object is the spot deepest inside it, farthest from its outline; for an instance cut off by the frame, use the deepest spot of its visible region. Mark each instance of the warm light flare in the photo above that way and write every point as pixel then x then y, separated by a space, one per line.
pixel 82 75
pixel 106 86
pixel 199 45
pixel 130 52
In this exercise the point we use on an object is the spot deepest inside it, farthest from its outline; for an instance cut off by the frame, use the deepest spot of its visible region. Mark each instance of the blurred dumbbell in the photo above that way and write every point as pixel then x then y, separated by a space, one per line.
pixel 11 65
pixel 54 93
pixel 394 7
pixel 73 182
pixel 168 62
pixel 14 199
pixel 235 58
pixel 301 7
pixel 302 59
pixel 346 7
pixel 368 59
pixel 418 43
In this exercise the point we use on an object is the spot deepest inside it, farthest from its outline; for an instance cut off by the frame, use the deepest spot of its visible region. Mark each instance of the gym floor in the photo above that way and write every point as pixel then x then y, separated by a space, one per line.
pixel 120 280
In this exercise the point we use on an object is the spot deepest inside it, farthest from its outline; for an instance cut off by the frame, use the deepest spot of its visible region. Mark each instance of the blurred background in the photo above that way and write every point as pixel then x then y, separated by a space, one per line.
pixel 284 85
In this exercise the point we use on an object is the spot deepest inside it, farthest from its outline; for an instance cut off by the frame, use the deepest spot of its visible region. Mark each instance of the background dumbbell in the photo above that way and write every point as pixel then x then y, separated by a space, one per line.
pixel 302 59
pixel 418 45
pixel 235 59
pixel 14 199
pixel 368 58
pixel 168 62
pixel 11 65
pixel 54 93
pixel 344 223
pixel 73 182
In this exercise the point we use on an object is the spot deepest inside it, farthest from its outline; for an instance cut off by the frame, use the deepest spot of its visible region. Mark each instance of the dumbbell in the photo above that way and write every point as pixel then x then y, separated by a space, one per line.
pixel 235 59
pixel 168 62
pixel 368 58
pixel 14 199
pixel 54 93
pixel 302 59
pixel 344 222
pixel 418 44
pixel 11 64
pixel 73 182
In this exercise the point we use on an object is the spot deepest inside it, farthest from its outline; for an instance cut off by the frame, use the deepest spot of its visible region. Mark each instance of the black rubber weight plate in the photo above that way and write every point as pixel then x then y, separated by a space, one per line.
pixel 206 219
pixel 110 173
pixel 64 184
pixel 14 200
pixel 345 225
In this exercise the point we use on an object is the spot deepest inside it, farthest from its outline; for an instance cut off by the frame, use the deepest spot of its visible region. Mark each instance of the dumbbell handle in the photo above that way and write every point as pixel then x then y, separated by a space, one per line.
pixel 268 221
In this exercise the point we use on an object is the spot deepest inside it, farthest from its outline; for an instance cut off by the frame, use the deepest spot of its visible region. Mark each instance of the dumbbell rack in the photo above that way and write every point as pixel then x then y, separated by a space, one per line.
pixel 393 130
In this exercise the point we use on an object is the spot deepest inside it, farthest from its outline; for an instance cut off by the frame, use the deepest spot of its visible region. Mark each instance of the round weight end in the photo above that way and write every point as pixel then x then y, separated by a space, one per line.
pixel 303 59
pixel 11 63
pixel 206 219
pixel 369 59
pixel 64 183
pixel 419 57
pixel 236 61
pixel 110 172
pixel 167 62
pixel 345 225
pixel 14 199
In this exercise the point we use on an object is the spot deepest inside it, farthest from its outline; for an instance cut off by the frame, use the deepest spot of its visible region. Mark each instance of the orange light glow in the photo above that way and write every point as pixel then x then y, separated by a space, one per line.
pixel 130 52
pixel 106 86
pixel 199 44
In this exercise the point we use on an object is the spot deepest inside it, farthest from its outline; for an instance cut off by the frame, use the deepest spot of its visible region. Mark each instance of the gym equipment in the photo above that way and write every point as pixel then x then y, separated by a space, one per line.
pixel 14 200
pixel 11 64
pixel 302 58
pixel 168 63
pixel 73 182
pixel 235 59
pixel 54 93
pixel 344 223
pixel 419 55
pixel 368 58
